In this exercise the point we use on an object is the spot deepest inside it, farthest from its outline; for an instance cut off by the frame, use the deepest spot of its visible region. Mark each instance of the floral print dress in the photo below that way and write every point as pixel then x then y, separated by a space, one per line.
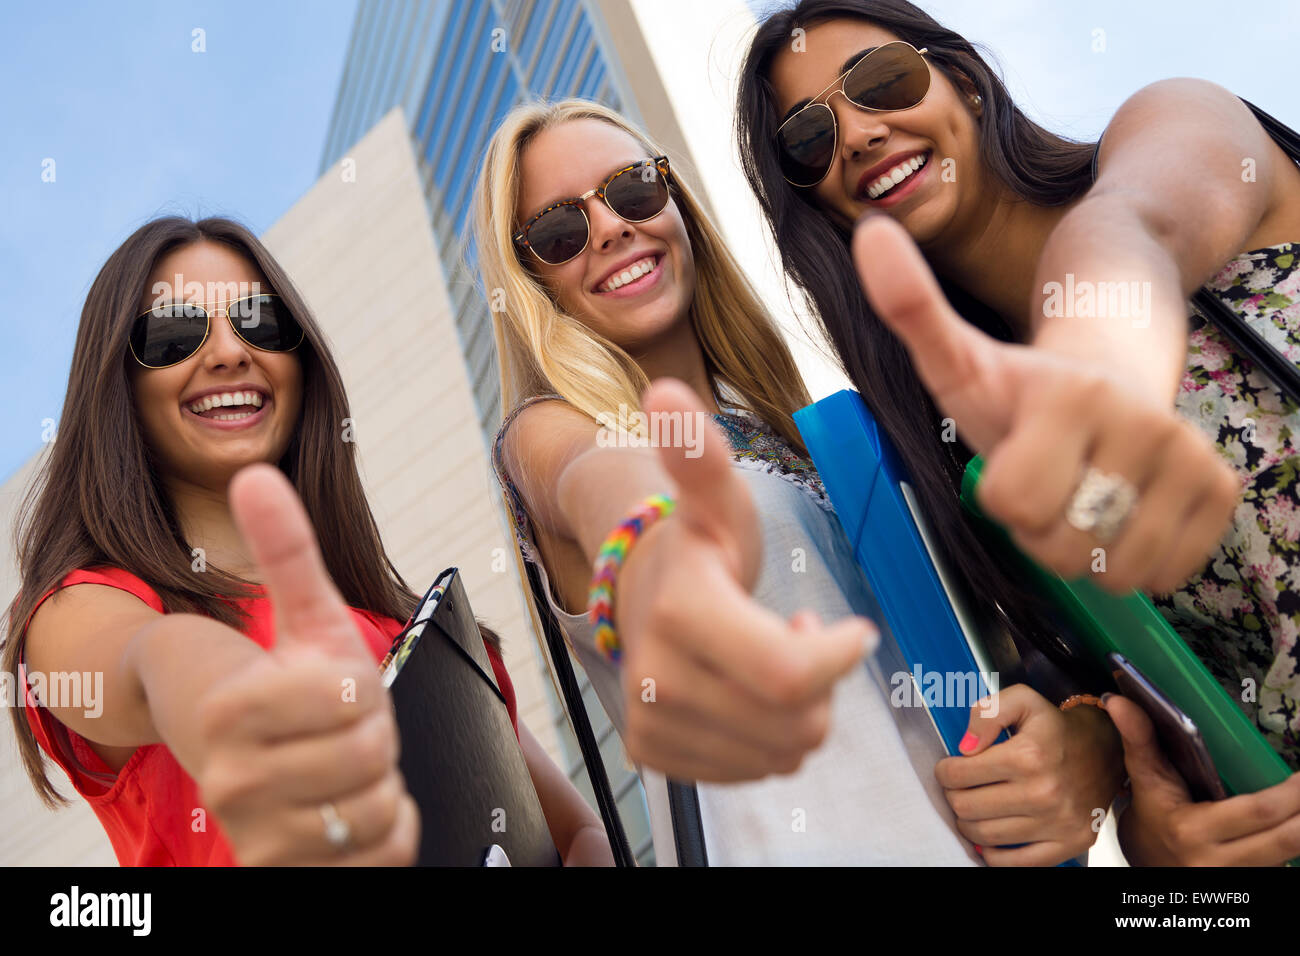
pixel 1241 613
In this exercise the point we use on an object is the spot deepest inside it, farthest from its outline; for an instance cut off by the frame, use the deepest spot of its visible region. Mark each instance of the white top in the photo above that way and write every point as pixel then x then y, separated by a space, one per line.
pixel 868 795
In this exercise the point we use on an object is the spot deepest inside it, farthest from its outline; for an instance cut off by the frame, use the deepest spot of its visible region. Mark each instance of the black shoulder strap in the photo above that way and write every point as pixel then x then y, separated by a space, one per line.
pixel 1277 366
pixel 559 652
pixel 1254 346
pixel 1273 363
pixel 688 828
pixel 1285 137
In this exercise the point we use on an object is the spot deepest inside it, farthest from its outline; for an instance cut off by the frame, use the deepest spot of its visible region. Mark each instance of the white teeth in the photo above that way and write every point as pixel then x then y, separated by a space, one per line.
pixel 895 176
pixel 226 399
pixel 631 273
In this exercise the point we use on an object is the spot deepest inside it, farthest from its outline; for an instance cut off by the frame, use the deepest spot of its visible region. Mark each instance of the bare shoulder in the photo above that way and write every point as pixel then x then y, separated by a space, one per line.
pixel 1182 92
pixel 545 436
pixel 1183 119
pixel 1202 170
pixel 83 624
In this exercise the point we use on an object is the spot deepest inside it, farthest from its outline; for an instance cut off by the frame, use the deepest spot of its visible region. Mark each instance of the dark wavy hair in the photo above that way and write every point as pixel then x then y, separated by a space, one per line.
pixel 1035 164
pixel 98 500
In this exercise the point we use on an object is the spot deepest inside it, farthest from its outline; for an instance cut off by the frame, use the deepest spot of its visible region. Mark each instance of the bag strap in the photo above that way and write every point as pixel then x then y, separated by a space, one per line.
pixel 1240 333
pixel 688 828
pixel 1254 346
pixel 1277 366
pixel 559 652
pixel 1285 137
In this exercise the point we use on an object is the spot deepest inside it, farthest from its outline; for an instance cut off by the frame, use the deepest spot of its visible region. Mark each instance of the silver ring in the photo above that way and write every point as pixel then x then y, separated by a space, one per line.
pixel 337 831
pixel 1101 504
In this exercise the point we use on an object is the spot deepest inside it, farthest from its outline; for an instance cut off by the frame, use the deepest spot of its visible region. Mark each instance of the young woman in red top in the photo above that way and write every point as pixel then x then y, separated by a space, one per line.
pixel 222 634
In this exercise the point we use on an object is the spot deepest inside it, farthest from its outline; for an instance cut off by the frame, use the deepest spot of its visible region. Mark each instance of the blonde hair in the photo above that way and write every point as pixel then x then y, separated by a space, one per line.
pixel 542 349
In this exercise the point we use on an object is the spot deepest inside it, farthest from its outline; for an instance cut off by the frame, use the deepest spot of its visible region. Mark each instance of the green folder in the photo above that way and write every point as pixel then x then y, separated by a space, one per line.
pixel 1102 623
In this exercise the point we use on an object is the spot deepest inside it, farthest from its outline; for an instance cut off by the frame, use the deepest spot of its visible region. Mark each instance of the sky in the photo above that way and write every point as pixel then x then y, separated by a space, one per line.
pixel 138 123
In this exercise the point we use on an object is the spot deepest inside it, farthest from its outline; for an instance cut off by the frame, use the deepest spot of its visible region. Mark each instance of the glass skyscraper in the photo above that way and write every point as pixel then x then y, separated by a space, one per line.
pixel 456 69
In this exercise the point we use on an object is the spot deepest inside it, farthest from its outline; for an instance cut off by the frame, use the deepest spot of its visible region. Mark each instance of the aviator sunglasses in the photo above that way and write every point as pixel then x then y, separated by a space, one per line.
pixel 890 78
pixel 168 334
pixel 635 193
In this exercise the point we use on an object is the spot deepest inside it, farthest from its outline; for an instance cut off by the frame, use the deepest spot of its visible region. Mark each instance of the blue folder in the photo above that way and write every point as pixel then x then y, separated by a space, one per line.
pixel 869 487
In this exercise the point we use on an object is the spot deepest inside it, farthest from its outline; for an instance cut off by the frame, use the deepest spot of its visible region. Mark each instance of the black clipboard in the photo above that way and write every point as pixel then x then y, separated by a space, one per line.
pixel 459 753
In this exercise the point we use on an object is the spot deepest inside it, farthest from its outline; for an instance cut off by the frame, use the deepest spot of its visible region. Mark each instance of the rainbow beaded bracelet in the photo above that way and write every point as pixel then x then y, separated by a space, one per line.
pixel 610 558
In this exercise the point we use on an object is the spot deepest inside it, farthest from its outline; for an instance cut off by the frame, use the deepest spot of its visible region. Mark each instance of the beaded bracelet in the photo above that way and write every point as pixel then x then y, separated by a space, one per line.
pixel 1074 701
pixel 600 600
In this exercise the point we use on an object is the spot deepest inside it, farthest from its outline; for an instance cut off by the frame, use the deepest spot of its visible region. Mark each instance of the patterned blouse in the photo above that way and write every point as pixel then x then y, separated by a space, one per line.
pixel 1241 614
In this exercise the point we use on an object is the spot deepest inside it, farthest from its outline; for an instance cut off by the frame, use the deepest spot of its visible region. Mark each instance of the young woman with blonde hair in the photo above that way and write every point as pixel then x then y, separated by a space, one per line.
pixel 604 274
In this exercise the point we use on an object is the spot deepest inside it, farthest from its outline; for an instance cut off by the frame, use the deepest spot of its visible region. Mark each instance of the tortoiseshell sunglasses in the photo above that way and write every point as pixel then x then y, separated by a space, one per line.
pixel 635 193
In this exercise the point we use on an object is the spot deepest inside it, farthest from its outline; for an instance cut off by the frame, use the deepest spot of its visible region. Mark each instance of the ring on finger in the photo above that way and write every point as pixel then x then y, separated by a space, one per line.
pixel 337 830
pixel 1101 504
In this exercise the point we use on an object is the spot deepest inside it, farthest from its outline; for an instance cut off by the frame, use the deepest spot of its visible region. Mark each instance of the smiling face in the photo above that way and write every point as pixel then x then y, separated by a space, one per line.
pixel 931 149
pixel 227 405
pixel 566 161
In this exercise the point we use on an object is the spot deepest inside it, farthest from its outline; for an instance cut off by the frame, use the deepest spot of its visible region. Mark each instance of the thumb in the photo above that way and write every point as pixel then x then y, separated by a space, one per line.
pixel 309 612
pixel 1148 769
pixel 711 499
pixel 950 354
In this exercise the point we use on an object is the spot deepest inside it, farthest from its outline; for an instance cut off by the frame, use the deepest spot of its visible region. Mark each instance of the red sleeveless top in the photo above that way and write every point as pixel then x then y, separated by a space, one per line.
pixel 149 807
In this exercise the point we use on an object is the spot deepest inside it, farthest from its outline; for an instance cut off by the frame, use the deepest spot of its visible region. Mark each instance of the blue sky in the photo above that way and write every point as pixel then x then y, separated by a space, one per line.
pixel 139 125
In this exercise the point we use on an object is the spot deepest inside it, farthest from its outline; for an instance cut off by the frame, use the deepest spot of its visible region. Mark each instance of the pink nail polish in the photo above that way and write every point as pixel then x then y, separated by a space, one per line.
pixel 968 743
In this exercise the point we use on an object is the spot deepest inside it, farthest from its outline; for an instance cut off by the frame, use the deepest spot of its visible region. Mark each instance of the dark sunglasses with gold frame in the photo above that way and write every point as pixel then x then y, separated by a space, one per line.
pixel 887 79
pixel 171 332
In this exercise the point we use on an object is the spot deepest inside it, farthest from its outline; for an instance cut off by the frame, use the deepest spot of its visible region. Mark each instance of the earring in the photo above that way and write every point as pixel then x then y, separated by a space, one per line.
pixel 977 99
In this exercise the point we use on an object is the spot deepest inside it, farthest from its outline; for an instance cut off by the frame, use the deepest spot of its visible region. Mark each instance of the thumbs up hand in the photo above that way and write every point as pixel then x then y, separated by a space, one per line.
pixel 300 748
pixel 1041 418
pixel 716 686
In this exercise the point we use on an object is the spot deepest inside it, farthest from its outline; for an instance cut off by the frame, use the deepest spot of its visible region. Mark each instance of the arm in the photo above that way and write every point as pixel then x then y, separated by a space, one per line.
pixel 268 737
pixel 738 693
pixel 1169 207
pixel 575 829
pixel 147 659
pixel 1042 417
pixel 571 486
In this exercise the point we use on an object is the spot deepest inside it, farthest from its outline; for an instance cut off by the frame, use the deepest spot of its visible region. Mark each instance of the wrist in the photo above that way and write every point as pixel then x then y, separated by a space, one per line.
pixel 1147 361
pixel 174 661
pixel 613 552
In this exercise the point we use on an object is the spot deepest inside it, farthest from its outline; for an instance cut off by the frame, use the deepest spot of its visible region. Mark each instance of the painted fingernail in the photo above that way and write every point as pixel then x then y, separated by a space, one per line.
pixel 968 743
pixel 979 849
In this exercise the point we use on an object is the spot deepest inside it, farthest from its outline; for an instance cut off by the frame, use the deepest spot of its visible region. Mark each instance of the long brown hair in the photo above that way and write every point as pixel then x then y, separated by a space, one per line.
pixel 98 500
pixel 1033 163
